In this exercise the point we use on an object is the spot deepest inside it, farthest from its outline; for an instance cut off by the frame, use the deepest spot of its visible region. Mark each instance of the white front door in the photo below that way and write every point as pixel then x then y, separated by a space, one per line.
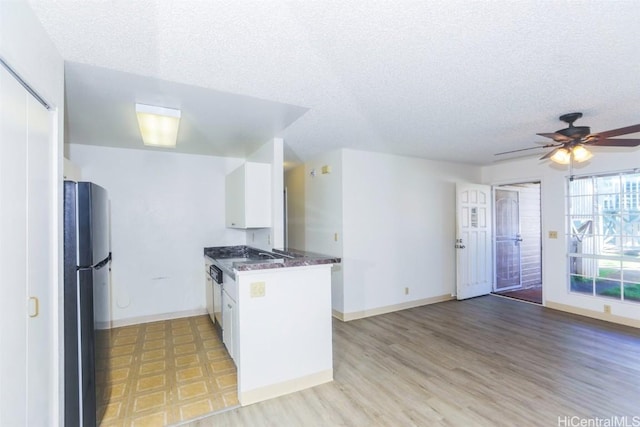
pixel 473 240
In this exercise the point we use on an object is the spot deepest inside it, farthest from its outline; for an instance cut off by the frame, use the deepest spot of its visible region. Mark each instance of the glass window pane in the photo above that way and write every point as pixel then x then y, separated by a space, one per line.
pixel 583 285
pixel 631 192
pixel 608 224
pixel 631 277
pixel 607 184
pixel 609 269
pixel 581 186
pixel 585 245
pixel 581 276
pixel 608 203
pixel 608 280
pixel 608 288
pixel 581 205
pixel 631 246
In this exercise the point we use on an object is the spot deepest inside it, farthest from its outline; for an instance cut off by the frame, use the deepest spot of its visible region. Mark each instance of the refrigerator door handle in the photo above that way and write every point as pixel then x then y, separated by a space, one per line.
pixel 102 263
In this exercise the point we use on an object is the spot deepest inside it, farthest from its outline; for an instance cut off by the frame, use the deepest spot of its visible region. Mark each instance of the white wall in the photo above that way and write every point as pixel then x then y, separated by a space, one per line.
pixel 165 208
pixel 554 260
pixel 267 238
pixel 323 198
pixel 25 46
pixel 295 184
pixel 399 228
pixel 395 218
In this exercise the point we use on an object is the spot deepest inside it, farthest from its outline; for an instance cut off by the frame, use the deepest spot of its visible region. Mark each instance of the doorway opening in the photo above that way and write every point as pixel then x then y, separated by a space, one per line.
pixel 518 241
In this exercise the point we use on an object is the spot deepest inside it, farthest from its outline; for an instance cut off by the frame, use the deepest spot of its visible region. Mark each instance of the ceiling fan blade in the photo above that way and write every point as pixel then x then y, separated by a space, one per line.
pixel 617 142
pixel 621 131
pixel 549 154
pixel 558 137
pixel 525 149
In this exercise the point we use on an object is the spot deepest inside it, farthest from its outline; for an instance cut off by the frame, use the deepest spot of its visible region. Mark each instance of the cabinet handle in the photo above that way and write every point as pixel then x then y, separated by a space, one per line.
pixel 36 306
pixel 228 306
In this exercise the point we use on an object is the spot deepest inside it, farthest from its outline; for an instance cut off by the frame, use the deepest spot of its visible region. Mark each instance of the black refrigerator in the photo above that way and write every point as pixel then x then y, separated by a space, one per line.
pixel 86 301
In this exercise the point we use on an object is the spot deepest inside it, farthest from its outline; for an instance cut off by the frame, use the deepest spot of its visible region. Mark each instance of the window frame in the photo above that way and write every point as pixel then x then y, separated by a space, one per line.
pixel 602 259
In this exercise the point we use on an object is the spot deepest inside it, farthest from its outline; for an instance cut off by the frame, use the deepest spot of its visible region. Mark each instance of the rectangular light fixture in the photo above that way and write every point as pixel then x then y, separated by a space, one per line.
pixel 158 125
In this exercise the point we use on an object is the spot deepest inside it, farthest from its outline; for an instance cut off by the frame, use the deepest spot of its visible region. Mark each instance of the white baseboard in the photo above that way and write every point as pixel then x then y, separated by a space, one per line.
pixel 607 317
pixel 151 318
pixel 275 390
pixel 345 317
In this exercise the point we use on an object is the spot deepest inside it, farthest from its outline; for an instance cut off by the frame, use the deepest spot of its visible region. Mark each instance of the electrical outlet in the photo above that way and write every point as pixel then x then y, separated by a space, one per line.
pixel 335 237
pixel 257 289
pixel 607 309
pixel 406 291
pixel 553 234
pixel 268 239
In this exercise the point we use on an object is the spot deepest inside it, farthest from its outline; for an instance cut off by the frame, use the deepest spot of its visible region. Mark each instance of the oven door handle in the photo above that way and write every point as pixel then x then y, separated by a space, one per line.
pixel 216 274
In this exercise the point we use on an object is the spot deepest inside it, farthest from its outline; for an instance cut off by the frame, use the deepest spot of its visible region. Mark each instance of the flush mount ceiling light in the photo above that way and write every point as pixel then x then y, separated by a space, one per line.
pixel 158 125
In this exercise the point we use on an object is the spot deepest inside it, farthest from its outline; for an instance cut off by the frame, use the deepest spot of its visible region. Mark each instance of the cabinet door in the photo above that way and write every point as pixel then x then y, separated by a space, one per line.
pixel 217 301
pixel 227 322
pixel 248 196
pixel 258 195
pixel 235 199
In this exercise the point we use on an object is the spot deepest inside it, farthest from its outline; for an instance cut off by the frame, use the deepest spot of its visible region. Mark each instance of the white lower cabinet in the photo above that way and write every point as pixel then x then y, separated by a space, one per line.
pixel 229 323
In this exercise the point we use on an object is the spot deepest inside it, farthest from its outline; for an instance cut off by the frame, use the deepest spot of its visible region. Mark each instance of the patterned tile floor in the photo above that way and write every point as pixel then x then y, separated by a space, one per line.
pixel 163 373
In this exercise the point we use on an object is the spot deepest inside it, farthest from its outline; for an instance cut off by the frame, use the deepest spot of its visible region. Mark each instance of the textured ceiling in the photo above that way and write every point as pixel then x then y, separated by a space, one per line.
pixel 445 80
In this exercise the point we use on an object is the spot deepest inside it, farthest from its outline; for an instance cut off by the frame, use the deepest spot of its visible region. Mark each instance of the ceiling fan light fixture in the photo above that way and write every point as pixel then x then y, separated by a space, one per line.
pixel 581 154
pixel 561 156
pixel 158 125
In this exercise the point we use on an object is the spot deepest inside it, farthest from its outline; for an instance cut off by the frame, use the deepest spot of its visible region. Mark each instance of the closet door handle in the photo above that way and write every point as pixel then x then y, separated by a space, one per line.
pixel 35 304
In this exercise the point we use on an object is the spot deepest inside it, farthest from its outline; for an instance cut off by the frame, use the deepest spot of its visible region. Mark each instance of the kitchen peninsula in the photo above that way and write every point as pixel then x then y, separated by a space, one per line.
pixel 277 318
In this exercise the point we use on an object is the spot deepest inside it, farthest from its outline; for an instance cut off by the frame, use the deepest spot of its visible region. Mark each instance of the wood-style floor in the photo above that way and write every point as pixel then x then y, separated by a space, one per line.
pixel 487 361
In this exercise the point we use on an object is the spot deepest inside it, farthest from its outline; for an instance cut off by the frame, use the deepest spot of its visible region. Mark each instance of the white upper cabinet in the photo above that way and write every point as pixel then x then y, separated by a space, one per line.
pixel 71 171
pixel 248 196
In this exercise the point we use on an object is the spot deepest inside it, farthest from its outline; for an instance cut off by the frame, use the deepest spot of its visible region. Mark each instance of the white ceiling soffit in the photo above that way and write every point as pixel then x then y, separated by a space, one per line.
pixel 445 80
pixel 100 110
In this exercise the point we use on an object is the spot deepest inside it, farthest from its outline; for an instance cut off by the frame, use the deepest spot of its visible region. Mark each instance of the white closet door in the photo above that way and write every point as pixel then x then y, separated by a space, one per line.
pixel 26 247
pixel 39 268
pixel 13 251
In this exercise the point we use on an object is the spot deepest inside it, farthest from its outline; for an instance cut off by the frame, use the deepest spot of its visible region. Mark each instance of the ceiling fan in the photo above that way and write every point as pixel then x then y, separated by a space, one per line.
pixel 569 144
